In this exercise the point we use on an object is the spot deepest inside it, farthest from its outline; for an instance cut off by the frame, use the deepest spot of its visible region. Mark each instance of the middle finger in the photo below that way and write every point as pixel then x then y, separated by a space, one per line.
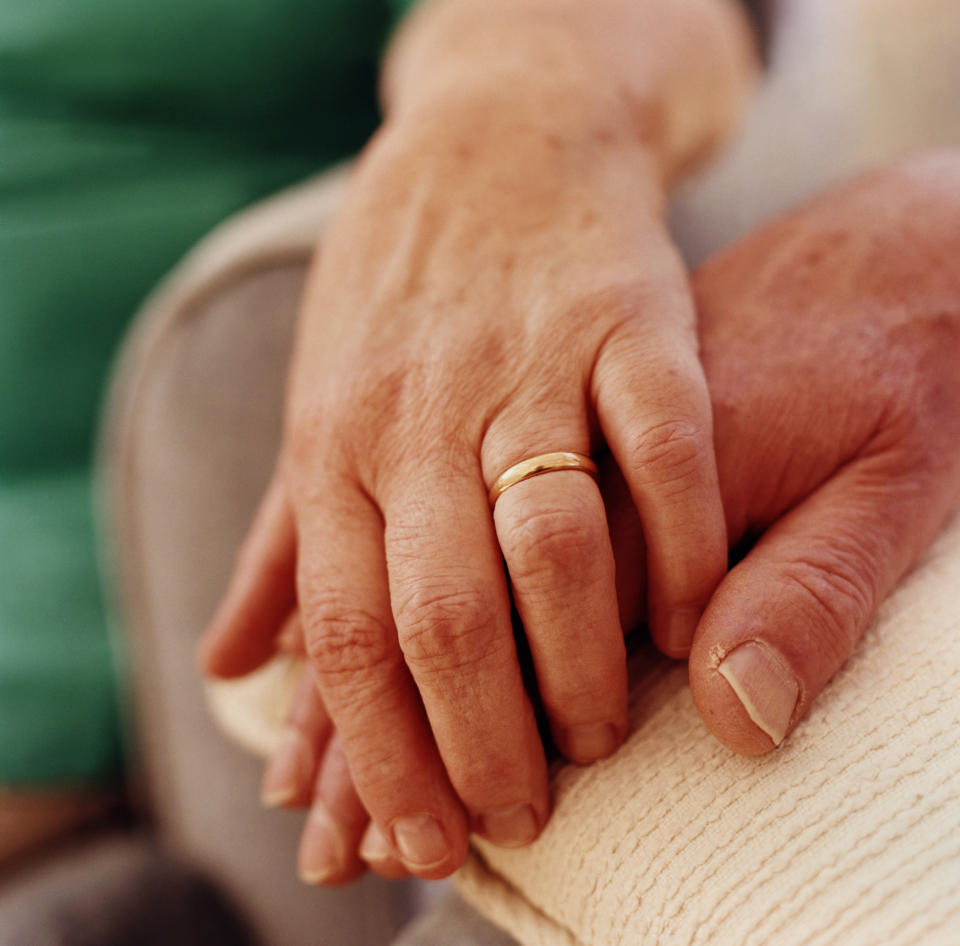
pixel 449 597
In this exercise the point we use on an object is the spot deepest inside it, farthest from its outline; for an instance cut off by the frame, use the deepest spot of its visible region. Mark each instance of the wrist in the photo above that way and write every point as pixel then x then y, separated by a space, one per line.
pixel 502 125
pixel 539 74
pixel 669 78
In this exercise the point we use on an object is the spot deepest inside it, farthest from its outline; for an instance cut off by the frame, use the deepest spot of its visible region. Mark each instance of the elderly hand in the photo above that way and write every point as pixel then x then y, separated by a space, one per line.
pixel 481 299
pixel 832 349
pixel 831 341
pixel 498 284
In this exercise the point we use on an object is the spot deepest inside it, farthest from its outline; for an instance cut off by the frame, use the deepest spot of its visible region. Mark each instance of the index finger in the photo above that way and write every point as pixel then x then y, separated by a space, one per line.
pixel 654 407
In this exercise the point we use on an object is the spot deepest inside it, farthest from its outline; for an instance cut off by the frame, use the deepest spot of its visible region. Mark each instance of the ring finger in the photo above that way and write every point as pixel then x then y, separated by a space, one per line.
pixel 553 533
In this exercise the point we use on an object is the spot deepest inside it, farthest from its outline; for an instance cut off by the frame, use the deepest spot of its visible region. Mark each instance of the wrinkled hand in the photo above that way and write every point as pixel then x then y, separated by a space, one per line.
pixel 831 341
pixel 489 291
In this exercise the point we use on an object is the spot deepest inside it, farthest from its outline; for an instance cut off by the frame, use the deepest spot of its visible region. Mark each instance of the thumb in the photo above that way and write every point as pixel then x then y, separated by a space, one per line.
pixel 784 620
pixel 261 595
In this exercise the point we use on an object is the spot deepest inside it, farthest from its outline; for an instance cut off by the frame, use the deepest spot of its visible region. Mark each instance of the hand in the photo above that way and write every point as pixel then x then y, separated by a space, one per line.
pixel 488 291
pixel 831 341
pixel 498 284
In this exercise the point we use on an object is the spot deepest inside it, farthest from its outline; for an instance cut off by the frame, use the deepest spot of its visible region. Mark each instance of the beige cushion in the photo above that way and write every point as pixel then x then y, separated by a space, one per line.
pixel 848 835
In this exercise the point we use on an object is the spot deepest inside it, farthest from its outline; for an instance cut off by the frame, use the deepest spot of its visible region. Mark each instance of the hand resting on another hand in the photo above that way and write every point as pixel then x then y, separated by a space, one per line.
pixel 831 344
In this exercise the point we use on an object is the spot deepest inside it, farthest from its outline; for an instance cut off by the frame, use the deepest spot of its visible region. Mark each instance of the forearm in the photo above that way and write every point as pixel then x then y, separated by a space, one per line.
pixel 672 76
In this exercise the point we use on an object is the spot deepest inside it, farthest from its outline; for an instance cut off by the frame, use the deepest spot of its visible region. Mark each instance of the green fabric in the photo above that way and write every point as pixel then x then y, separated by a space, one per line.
pixel 127 130
pixel 57 703
pixel 402 6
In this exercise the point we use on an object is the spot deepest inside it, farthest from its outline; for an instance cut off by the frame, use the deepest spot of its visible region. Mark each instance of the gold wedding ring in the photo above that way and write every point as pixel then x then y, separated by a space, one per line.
pixel 544 463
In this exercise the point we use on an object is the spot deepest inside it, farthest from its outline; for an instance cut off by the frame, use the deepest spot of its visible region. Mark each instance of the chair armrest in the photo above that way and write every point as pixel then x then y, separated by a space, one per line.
pixel 192 430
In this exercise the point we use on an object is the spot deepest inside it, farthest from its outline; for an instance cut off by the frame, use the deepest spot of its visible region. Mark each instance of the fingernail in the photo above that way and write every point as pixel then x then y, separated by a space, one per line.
pixel 590 742
pixel 420 841
pixel 679 632
pixel 765 686
pixel 321 847
pixel 514 826
pixel 374 847
pixel 289 767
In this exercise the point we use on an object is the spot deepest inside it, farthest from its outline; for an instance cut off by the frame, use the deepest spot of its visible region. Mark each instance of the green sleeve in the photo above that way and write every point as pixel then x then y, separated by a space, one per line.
pixel 127 131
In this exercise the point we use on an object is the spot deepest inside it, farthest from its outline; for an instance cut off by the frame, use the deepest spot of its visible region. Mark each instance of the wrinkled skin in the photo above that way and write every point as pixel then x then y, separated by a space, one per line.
pixel 450 330
pixel 497 284
pixel 831 343
pixel 832 349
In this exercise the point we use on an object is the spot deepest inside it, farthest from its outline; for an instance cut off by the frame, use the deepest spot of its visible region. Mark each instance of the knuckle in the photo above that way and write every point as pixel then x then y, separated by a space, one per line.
pixel 349 415
pixel 380 762
pixel 916 360
pixel 622 305
pixel 836 599
pixel 444 630
pixel 305 434
pixel 670 453
pixel 552 542
pixel 478 777
pixel 379 395
pixel 344 640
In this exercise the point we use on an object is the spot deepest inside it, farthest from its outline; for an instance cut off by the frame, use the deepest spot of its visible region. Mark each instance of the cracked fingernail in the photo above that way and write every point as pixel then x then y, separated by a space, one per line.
pixel 765 686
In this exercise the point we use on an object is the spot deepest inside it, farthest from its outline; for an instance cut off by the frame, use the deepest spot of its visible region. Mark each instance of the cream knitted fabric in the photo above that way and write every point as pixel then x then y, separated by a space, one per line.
pixel 849 834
